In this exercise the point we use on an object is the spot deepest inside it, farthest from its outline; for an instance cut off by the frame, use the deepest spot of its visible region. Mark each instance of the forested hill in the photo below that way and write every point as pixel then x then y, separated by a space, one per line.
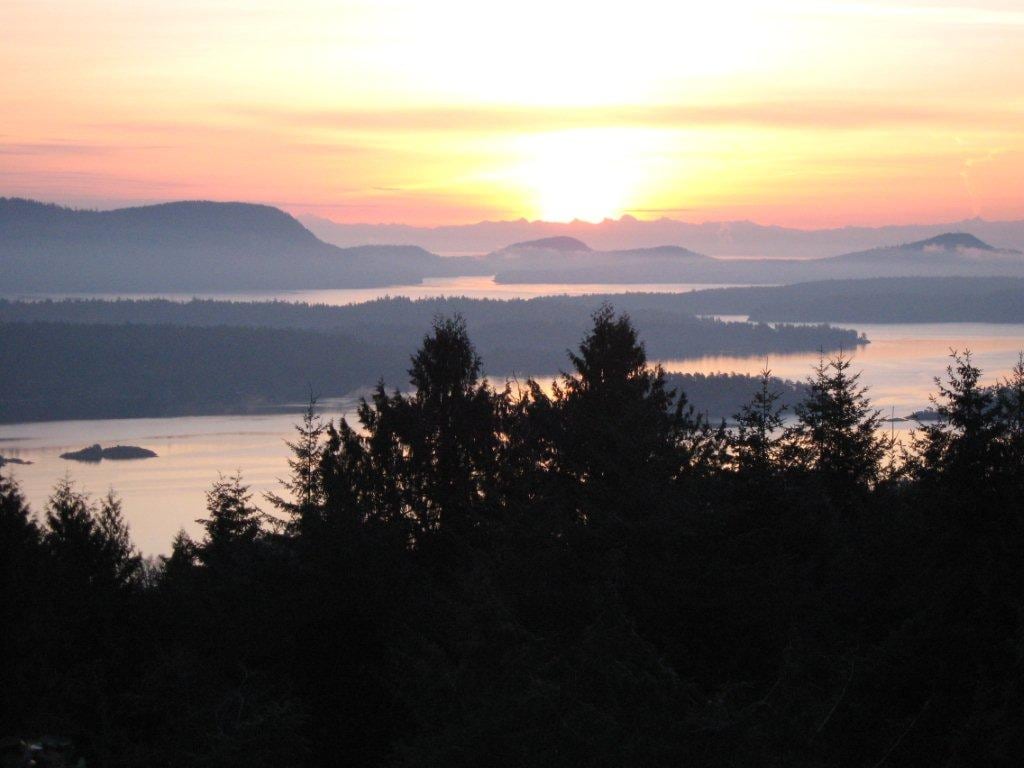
pixel 670 325
pixel 515 334
pixel 196 245
pixel 881 300
pixel 79 359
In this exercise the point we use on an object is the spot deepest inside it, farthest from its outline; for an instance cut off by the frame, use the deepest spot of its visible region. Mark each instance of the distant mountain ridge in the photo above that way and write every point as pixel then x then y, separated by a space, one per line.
pixel 568 260
pixel 198 246
pixel 948 254
pixel 952 241
pixel 558 243
pixel 715 238
pixel 192 245
pixel 945 255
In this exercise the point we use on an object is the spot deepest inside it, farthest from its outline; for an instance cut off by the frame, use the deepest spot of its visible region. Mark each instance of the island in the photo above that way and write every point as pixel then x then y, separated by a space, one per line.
pixel 94 453
pixel 8 460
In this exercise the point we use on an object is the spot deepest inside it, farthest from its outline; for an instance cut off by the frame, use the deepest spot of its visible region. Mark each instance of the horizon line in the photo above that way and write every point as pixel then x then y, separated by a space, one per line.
pixel 627 216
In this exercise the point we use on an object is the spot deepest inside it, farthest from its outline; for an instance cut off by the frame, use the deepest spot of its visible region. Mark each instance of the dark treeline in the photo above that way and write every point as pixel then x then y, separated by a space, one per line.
pixel 718 396
pixel 889 300
pixel 54 371
pixel 594 576
pixel 96 359
pixel 549 323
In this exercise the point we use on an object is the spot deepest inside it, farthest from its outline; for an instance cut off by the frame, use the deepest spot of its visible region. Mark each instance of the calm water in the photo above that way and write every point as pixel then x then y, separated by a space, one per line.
pixel 164 494
pixel 899 365
pixel 167 493
pixel 470 287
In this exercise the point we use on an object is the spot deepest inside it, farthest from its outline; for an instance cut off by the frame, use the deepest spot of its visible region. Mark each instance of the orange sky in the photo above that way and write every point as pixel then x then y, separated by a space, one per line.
pixel 450 111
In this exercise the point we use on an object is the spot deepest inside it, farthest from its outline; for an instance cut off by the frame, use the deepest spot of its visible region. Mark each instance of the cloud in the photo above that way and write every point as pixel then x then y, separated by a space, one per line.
pixel 61 149
pixel 832 114
pixel 52 149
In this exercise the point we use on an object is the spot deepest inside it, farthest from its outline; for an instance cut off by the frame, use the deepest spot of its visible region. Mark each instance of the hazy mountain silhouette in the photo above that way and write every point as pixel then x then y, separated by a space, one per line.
pixel 951 253
pixel 715 238
pixel 206 246
pixel 552 243
pixel 568 260
pixel 946 255
pixel 948 244
pixel 186 246
pixel 952 241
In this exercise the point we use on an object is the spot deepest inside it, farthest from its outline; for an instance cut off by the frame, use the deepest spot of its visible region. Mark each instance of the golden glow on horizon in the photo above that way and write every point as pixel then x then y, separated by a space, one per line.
pixel 800 113
pixel 584 174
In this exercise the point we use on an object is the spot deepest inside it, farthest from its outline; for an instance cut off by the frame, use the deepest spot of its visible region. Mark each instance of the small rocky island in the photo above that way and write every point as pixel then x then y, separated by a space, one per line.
pixel 94 453
pixel 9 460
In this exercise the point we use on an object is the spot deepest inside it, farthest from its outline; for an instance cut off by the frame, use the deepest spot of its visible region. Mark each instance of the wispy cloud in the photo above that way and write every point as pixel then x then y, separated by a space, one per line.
pixel 832 114
pixel 51 149
pixel 60 149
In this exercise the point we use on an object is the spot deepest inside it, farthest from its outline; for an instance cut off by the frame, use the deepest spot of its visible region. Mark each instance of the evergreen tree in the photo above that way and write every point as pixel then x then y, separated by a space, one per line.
pixel 22 590
pixel 70 525
pixel 17 529
pixel 1010 404
pixel 619 431
pixel 90 539
pixel 837 434
pixel 115 539
pixel 448 430
pixel 960 446
pixel 426 459
pixel 233 521
pixel 305 484
pixel 757 440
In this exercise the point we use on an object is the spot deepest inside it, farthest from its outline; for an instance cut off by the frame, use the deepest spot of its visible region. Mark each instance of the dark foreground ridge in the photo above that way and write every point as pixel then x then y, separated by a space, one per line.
pixel 589 575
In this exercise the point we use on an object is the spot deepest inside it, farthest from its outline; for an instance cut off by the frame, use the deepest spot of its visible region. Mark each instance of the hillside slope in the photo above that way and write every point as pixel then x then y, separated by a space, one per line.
pixel 185 246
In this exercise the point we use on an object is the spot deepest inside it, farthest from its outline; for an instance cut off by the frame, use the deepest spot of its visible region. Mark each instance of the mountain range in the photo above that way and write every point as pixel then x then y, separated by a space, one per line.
pixel 717 238
pixel 208 247
pixel 946 255
pixel 187 246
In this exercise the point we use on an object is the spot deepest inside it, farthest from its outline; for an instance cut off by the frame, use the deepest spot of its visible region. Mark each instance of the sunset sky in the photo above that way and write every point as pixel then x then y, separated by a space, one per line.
pixel 813 113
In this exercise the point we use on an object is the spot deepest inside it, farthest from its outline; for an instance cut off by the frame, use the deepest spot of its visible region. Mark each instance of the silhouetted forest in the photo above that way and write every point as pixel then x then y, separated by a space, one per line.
pixel 592 576
pixel 55 371
pixel 671 329
pixel 883 300
pixel 101 359
pixel 718 396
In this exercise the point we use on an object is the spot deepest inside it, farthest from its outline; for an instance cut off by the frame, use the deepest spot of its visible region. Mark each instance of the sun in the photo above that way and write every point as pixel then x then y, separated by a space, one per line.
pixel 581 174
